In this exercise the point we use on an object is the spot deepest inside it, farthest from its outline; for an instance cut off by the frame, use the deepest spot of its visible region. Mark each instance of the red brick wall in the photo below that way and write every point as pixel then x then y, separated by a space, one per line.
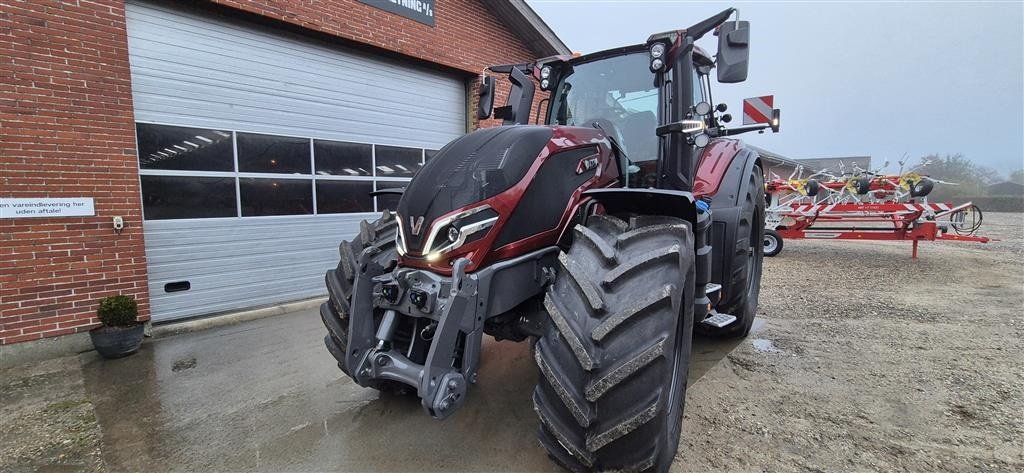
pixel 466 35
pixel 66 108
pixel 68 131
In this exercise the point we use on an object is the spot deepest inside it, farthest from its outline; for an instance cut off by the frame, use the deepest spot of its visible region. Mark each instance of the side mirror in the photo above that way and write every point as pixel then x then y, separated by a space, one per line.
pixel 520 100
pixel 733 51
pixel 485 102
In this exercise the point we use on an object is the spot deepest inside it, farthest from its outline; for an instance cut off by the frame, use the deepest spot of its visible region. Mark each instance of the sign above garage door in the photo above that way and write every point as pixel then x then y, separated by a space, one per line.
pixel 419 10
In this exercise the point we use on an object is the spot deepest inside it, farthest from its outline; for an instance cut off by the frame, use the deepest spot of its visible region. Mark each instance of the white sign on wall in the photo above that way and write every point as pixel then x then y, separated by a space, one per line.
pixel 47 207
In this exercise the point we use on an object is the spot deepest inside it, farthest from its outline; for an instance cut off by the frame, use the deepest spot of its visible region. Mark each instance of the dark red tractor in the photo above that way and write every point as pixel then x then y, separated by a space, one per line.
pixel 606 237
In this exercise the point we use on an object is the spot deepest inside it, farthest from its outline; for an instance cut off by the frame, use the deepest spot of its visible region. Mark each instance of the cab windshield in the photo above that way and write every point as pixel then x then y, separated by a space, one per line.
pixel 616 94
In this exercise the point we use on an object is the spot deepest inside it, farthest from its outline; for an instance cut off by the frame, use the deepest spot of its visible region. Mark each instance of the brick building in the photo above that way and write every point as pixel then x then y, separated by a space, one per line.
pixel 237 140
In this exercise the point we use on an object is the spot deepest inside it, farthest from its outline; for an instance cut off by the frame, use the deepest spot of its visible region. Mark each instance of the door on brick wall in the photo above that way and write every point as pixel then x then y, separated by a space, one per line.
pixel 257 151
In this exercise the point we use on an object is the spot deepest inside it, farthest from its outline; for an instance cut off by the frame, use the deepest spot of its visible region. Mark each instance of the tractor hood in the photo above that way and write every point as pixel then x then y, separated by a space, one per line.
pixel 474 167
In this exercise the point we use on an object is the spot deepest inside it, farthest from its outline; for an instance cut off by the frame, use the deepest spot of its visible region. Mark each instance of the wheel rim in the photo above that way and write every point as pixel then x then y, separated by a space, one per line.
pixel 752 251
pixel 770 243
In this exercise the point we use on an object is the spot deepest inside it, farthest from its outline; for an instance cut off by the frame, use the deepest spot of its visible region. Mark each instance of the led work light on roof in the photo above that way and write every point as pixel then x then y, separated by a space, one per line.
pixel 657 50
pixel 545 72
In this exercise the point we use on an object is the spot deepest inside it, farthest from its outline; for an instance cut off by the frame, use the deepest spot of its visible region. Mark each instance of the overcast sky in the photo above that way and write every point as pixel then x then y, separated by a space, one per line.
pixel 878 79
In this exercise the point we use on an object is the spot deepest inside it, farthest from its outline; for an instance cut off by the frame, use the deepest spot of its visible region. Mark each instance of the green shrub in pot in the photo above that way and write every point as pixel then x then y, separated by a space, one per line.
pixel 121 333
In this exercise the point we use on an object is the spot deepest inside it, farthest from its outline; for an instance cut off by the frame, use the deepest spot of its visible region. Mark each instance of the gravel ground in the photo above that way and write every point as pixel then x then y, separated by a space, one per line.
pixel 862 360
pixel 870 361
pixel 49 423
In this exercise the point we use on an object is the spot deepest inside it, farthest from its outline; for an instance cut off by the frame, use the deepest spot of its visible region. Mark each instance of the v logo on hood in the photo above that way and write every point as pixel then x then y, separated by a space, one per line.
pixel 415 224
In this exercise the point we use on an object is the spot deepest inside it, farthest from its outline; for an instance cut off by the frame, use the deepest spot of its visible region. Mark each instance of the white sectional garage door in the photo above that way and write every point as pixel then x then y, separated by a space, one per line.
pixel 257 150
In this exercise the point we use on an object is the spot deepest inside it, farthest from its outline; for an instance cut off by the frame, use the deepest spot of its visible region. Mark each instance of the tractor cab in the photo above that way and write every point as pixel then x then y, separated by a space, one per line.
pixel 638 94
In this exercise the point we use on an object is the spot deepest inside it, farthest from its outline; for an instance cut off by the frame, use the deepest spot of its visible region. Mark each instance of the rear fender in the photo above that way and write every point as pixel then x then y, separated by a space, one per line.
pixel 725 213
pixel 731 183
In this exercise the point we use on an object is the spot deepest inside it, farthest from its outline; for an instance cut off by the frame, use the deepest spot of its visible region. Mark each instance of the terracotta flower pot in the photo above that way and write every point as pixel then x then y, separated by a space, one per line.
pixel 117 342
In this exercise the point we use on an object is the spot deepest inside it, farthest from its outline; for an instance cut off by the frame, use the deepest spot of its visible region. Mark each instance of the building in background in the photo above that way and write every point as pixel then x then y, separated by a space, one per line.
pixel 776 166
pixel 237 140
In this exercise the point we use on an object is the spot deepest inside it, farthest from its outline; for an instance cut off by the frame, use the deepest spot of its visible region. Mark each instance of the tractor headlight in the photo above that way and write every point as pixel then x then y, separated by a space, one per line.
pixel 657 64
pixel 545 72
pixel 453 231
pixel 544 83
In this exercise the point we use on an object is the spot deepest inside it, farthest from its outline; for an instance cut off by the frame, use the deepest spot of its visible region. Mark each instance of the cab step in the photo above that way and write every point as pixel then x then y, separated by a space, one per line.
pixel 718 319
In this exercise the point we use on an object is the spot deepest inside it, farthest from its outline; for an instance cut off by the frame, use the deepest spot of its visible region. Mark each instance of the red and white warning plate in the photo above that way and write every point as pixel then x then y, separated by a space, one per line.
pixel 758 109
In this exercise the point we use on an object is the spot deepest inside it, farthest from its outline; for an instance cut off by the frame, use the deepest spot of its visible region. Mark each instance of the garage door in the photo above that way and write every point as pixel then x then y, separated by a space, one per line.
pixel 257 150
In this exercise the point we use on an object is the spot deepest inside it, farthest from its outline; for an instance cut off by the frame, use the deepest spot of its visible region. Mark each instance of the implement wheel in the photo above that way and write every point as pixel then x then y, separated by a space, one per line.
pixel 772 243
pixel 614 359
pixel 335 312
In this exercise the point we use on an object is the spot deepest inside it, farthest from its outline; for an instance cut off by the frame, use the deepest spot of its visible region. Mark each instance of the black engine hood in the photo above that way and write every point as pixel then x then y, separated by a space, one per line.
pixel 474 167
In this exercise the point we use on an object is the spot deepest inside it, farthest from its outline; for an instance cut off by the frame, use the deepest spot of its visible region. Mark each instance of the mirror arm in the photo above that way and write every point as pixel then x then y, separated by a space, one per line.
pixel 742 129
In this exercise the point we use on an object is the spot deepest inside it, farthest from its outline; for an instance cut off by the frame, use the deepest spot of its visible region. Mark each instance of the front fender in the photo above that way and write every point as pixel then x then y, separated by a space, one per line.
pixel 672 203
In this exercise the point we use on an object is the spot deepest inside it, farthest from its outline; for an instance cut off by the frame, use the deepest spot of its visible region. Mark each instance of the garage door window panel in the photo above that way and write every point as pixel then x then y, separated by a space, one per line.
pixel 396 161
pixel 176 197
pixel 335 196
pixel 263 197
pixel 184 148
pixel 273 154
pixel 389 201
pixel 338 158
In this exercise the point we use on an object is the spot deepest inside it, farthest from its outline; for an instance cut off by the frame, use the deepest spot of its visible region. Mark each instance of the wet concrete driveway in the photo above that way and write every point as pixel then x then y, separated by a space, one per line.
pixel 266 395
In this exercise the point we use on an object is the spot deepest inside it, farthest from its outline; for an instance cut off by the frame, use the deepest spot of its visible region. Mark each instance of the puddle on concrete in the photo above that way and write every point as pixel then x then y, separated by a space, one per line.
pixel 183 364
pixel 764 345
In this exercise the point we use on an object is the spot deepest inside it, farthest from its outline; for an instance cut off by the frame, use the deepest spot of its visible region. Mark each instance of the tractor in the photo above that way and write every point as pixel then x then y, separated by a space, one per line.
pixel 605 237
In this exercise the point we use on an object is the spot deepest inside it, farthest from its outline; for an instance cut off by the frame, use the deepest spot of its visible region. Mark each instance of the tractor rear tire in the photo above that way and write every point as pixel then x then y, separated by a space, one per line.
pixel 335 312
pixel 614 359
pixel 747 253
pixel 772 243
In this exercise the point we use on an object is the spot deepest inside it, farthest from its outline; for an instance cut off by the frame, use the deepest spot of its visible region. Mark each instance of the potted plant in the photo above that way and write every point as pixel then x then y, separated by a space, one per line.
pixel 121 334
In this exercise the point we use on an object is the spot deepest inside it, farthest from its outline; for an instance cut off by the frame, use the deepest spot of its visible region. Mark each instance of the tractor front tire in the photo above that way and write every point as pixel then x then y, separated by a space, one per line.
pixel 336 313
pixel 614 359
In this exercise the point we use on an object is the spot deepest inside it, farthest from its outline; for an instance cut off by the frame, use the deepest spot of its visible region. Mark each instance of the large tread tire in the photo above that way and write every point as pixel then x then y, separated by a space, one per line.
pixel 335 312
pixel 747 254
pixel 614 360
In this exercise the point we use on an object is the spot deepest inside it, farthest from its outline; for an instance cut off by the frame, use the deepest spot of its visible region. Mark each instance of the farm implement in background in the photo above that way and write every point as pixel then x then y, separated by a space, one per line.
pixel 864 205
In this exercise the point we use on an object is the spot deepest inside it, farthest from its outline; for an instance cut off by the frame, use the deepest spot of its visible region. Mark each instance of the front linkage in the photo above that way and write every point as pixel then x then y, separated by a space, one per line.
pixel 452 310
